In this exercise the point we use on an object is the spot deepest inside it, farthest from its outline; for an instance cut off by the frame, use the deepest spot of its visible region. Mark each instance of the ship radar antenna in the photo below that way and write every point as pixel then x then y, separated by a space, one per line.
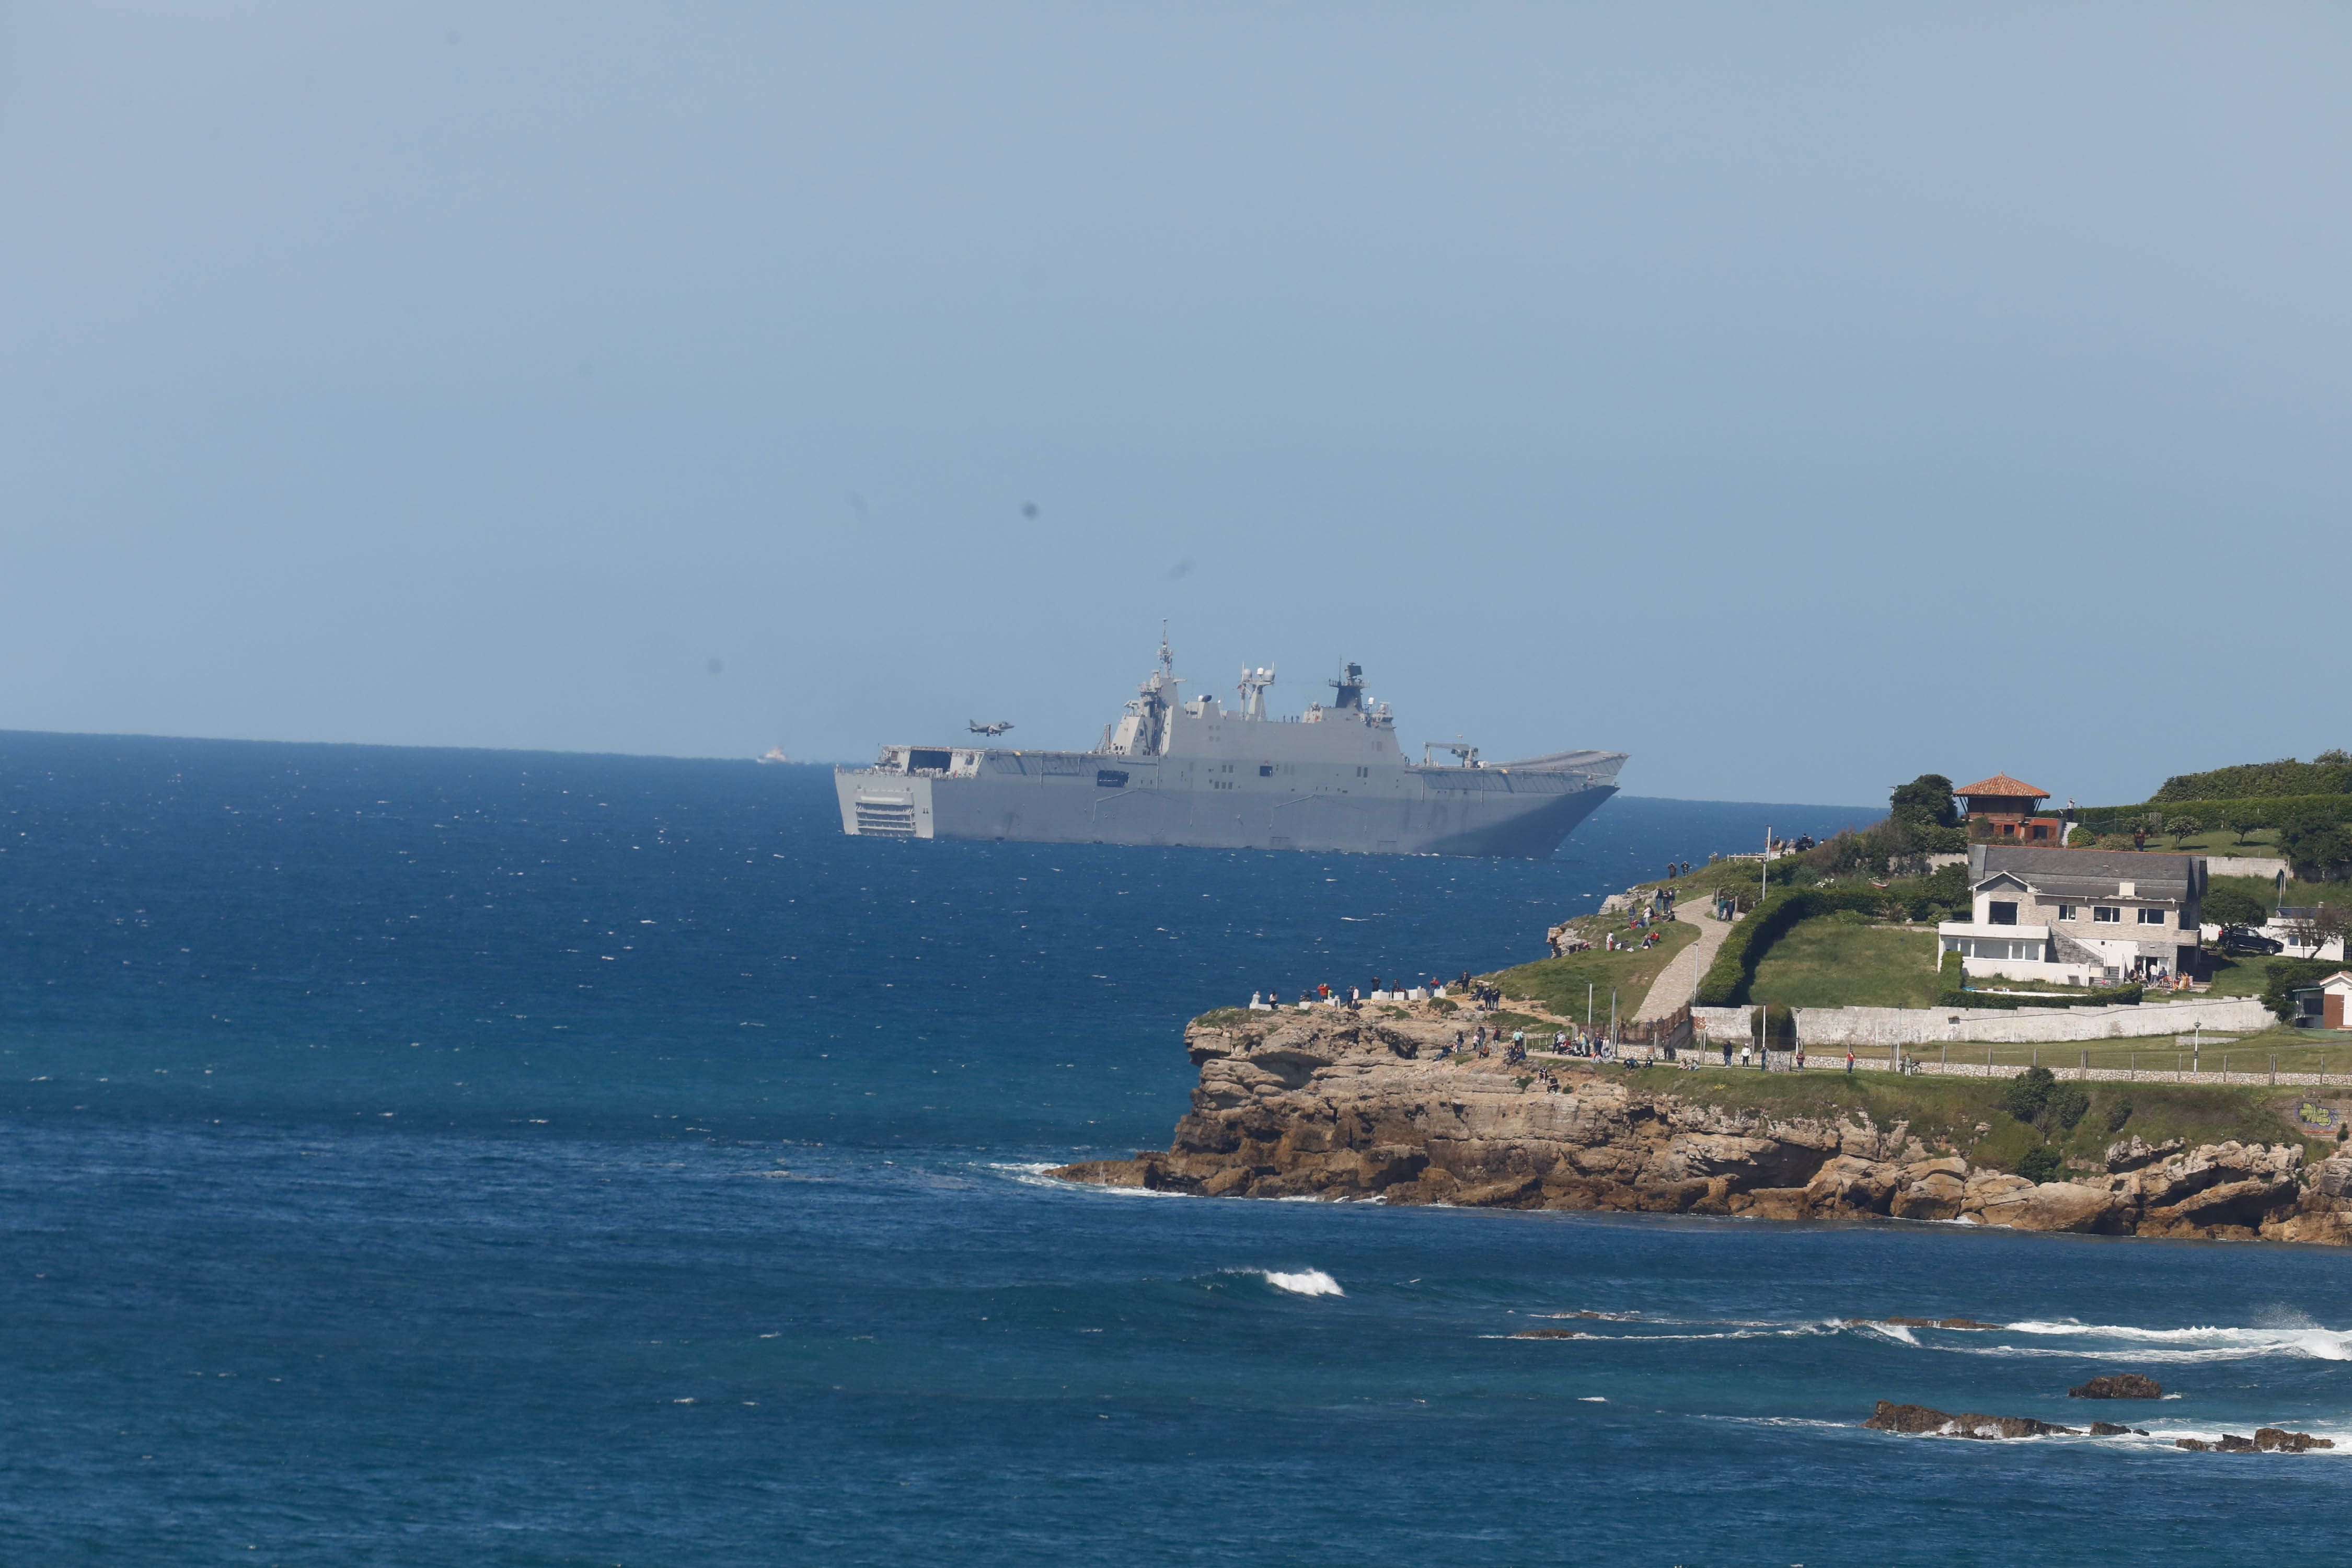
pixel 1167 659
pixel 1252 689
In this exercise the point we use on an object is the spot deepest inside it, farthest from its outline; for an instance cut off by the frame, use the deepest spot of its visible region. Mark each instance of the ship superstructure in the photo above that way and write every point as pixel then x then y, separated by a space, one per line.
pixel 1196 772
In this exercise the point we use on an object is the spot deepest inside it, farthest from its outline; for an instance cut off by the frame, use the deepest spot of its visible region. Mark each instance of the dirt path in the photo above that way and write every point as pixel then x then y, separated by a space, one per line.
pixel 1680 978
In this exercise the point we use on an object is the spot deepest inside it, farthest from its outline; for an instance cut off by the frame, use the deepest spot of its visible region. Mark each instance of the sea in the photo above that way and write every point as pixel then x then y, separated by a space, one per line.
pixel 426 1157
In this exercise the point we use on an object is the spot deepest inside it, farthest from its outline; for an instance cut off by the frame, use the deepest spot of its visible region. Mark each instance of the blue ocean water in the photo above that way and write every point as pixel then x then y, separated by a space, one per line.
pixel 431 1158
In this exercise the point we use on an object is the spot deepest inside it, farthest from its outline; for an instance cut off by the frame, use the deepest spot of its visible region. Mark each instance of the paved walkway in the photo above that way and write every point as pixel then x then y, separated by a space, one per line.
pixel 1678 981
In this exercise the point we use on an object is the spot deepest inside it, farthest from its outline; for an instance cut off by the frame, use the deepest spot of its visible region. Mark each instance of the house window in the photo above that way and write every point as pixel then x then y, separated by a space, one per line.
pixel 2102 915
pixel 2151 916
pixel 2066 912
pixel 2001 914
pixel 2041 830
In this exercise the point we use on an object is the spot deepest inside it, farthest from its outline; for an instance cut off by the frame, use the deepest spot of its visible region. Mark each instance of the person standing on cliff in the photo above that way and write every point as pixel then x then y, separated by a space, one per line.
pixel 1849 1061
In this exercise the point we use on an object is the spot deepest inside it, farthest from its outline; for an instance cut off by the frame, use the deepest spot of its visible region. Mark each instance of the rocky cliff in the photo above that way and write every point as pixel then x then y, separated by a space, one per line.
pixel 1335 1105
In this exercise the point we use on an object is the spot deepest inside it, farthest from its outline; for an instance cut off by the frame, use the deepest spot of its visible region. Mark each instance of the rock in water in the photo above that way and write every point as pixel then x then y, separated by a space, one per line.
pixel 2118 1386
pixel 2272 1440
pixel 2108 1429
pixel 2266 1440
pixel 1919 1418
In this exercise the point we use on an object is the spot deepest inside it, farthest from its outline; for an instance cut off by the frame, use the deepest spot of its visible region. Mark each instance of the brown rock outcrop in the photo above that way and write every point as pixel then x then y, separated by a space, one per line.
pixel 1920 1419
pixel 2118 1386
pixel 2266 1440
pixel 1332 1104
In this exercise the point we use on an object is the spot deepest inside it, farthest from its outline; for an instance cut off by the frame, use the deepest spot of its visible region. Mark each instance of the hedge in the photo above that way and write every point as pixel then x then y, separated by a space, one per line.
pixel 2114 996
pixel 1727 980
pixel 2329 775
pixel 2259 811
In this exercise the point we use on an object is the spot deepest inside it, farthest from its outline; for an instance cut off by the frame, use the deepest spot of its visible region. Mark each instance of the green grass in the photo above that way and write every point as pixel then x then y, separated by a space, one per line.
pixel 1558 984
pixel 1847 960
pixel 1944 1112
pixel 2237 974
pixel 2217 841
pixel 2298 1050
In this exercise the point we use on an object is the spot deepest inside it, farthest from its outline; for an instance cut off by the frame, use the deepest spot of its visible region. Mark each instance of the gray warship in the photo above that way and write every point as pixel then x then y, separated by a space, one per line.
pixel 1170 771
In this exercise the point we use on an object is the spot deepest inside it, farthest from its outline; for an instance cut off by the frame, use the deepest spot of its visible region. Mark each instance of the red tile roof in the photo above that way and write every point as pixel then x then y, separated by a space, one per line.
pixel 2002 783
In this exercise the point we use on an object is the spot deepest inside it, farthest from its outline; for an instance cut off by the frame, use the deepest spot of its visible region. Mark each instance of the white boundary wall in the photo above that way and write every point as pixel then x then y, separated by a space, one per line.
pixel 1719 1024
pixel 1934 1025
pixel 2247 865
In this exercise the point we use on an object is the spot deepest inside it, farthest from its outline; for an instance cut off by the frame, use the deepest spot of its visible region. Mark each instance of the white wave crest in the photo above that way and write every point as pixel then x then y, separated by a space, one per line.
pixel 1306 1282
pixel 2209 1343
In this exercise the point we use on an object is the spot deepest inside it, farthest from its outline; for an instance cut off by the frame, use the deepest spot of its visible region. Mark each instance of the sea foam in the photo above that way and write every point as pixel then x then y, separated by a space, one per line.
pixel 1306 1282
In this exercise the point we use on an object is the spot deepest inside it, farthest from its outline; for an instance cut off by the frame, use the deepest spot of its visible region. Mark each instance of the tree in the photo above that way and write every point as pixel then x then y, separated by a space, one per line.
pixel 2181 827
pixel 2314 928
pixel 2235 907
pixel 2311 843
pixel 2237 821
pixel 1926 802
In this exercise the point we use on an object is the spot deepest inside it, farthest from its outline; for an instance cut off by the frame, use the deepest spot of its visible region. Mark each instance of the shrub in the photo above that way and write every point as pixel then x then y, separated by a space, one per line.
pixel 1941 895
pixel 2028 1092
pixel 2068 1105
pixel 2119 1112
pixel 2040 1163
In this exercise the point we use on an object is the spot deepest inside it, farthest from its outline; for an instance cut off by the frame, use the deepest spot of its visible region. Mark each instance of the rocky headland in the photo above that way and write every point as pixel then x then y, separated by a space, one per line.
pixel 1330 1103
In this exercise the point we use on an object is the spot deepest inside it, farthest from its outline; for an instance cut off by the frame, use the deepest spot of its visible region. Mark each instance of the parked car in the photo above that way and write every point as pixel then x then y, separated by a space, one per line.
pixel 2244 938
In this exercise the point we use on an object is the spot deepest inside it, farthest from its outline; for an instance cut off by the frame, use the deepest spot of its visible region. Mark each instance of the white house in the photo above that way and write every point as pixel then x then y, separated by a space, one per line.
pixel 2077 917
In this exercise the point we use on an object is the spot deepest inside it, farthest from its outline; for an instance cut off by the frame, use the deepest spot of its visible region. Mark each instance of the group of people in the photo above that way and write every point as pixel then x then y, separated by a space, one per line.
pixel 1795 1056
pixel 1513 1046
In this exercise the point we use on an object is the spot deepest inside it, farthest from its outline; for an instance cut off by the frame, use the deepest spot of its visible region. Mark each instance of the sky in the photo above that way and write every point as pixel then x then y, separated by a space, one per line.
pixel 1800 399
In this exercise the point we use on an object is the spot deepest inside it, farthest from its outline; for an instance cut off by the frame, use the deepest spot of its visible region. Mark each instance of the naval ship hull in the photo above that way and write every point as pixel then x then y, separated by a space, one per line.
pixel 1078 797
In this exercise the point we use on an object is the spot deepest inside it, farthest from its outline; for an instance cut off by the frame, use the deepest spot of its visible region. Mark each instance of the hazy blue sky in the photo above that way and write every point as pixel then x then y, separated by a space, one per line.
pixel 1797 397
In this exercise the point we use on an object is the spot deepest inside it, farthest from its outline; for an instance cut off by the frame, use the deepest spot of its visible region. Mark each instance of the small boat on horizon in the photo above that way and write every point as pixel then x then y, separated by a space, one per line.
pixel 772 754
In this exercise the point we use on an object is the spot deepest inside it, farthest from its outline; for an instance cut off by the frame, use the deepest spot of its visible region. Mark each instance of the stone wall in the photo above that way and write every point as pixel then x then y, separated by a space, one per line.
pixel 1934 1025
pixel 1718 1024
pixel 2247 865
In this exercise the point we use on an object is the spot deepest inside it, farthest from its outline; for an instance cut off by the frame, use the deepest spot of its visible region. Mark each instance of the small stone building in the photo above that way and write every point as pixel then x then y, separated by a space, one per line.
pixel 2004 809
pixel 2078 917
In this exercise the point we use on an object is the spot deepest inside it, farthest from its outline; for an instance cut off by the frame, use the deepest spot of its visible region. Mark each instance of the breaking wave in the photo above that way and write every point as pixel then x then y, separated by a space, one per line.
pixel 1306 1282
pixel 2209 1343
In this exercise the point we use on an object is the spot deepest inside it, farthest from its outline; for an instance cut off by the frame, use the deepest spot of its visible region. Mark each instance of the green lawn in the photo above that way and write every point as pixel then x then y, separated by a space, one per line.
pixel 2217 841
pixel 2237 974
pixel 1847 960
pixel 1559 984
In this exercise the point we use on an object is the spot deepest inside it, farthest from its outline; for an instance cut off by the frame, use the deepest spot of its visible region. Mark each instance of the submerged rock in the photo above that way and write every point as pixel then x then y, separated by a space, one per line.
pixel 2118 1386
pixel 1931 1322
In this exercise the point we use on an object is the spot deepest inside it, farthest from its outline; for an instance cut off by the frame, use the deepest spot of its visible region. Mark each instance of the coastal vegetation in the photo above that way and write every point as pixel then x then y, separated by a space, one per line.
pixel 1946 1113
pixel 1731 978
pixel 2330 773
pixel 1845 958
pixel 1563 985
